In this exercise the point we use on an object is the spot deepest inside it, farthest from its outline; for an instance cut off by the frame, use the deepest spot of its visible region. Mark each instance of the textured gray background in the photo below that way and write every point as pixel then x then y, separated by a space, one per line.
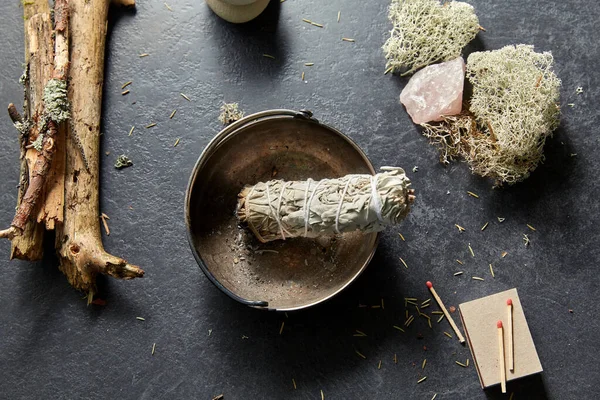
pixel 54 346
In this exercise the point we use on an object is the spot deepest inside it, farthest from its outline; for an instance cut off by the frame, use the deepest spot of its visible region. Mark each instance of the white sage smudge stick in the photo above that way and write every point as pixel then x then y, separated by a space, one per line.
pixel 278 209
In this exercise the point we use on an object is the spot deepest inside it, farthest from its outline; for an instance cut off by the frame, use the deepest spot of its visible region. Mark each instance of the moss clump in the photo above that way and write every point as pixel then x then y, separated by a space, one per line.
pixel 123 162
pixel 512 111
pixel 230 113
pixel 56 100
pixel 425 32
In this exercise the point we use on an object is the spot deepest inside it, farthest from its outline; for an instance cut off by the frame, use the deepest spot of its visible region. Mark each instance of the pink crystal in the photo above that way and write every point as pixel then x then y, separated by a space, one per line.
pixel 434 91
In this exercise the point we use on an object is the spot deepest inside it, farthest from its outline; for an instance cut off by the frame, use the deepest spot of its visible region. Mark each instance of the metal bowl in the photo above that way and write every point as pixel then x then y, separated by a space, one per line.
pixel 279 275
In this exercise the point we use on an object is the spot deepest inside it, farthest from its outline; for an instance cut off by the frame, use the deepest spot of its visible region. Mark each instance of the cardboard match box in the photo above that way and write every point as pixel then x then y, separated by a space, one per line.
pixel 479 318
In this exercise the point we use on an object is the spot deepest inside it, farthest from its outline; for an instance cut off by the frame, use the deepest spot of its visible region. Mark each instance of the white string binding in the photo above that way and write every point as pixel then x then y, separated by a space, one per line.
pixel 375 204
pixel 273 212
pixel 308 182
pixel 337 215
pixel 279 208
pixel 307 208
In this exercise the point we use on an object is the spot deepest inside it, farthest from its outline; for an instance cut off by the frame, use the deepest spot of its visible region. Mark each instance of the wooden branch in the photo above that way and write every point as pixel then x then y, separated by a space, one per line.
pixel 9 233
pixel 51 210
pixel 48 115
pixel 60 161
pixel 39 53
pixel 79 244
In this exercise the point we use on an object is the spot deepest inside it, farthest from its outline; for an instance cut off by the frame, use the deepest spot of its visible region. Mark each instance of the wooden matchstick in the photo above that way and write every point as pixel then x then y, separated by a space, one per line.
pixel 446 313
pixel 511 349
pixel 501 360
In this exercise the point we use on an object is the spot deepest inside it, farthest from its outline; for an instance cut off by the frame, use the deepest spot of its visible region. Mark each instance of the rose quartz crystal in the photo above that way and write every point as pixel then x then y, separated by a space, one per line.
pixel 434 91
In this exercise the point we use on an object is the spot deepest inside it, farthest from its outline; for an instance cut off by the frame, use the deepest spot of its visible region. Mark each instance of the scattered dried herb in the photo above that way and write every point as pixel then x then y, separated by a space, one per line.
pixel 104 217
pixel 312 23
pixel 123 162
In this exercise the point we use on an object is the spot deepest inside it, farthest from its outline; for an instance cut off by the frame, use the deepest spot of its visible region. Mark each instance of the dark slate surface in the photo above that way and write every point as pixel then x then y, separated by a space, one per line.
pixel 53 346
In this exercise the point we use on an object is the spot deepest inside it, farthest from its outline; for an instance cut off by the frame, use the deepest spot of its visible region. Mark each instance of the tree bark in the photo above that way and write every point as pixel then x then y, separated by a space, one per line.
pixel 79 244
pixel 39 52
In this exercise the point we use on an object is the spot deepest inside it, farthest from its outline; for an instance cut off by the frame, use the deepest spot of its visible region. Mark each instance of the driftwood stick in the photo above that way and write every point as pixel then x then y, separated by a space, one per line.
pixel 79 244
pixel 27 244
pixel 51 210
pixel 9 233
pixel 60 161
pixel 54 112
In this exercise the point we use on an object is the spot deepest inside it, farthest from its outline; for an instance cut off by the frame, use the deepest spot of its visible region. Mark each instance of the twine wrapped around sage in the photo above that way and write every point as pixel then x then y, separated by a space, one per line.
pixel 278 209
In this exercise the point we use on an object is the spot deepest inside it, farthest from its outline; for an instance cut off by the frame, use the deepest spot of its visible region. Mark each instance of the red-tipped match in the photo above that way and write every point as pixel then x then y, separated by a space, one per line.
pixel 499 324
pixel 429 284
pixel 509 302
